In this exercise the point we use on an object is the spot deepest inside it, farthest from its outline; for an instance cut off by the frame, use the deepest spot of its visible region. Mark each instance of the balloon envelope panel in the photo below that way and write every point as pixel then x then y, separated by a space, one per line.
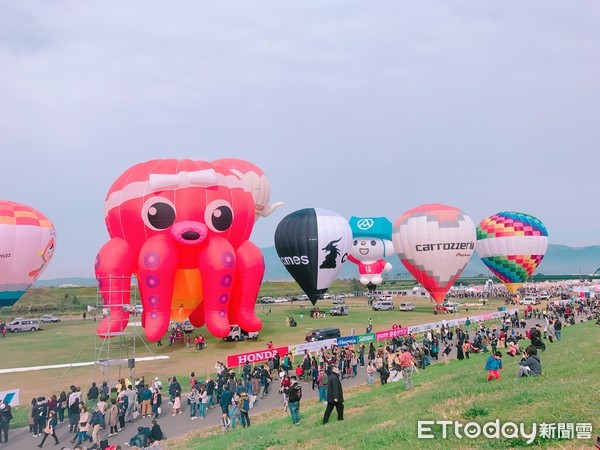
pixel 313 244
pixel 27 241
pixel 512 245
pixel 435 243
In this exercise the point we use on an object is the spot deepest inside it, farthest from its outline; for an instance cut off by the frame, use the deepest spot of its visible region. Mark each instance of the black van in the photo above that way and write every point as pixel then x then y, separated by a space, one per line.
pixel 321 334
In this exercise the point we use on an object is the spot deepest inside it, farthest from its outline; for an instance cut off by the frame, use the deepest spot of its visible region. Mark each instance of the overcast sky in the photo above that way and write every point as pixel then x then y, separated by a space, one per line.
pixel 364 108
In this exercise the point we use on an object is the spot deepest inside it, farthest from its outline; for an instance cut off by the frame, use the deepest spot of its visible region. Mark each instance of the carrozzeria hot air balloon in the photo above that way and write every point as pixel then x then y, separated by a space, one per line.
pixel 435 243
pixel 512 245
pixel 27 240
pixel 313 244
pixel 182 227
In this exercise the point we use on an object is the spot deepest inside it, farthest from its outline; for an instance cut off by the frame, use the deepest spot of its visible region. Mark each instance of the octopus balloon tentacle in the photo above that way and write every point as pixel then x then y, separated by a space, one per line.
pixel 250 262
pixel 156 274
pixel 217 263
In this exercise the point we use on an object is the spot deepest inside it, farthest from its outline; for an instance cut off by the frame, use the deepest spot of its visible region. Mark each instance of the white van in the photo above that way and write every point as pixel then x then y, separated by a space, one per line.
pixel 383 305
pixel 340 310
pixel 406 306
pixel 23 325
pixel 530 301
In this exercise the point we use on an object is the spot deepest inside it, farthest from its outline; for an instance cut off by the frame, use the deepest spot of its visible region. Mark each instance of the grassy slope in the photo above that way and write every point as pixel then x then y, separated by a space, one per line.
pixel 74 341
pixel 386 416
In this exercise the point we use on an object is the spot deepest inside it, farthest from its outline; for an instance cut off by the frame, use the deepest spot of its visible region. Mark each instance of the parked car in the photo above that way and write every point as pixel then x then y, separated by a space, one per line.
pixel 326 296
pixel 322 334
pixel 49 318
pixel 450 306
pixel 339 310
pixel 23 325
pixel 339 301
pixel 236 333
pixel 406 306
pixel 266 300
pixel 383 305
pixel 530 301
pixel 186 326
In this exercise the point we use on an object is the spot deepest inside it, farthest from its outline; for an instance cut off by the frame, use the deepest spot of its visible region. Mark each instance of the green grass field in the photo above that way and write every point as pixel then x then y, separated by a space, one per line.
pixel 386 416
pixel 74 340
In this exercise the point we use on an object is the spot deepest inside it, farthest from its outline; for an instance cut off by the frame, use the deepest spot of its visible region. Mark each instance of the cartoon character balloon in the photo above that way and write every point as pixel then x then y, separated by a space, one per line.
pixel 313 244
pixel 27 240
pixel 372 242
pixel 257 182
pixel 435 243
pixel 182 227
pixel 512 245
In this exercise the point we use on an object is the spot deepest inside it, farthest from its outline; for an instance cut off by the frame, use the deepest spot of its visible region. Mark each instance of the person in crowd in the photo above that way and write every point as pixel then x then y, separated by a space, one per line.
pixel 202 401
pixel 40 414
pixel 225 400
pixel 112 418
pixel 370 374
pixel 494 365
pixel 407 362
pixel 322 379
pixel 244 405
pixel 122 406
pixel 131 399
pixel 140 439
pixel 156 402
pixel 156 433
pixel 83 425
pixel 234 410
pixel 146 401
pixel 93 394
pixel 530 364
pixel 177 403
pixel 335 396
pixel 61 406
pixel 193 400
pixel 294 393
pixel 535 335
pixel 96 422
pixel 49 429
pixel 5 418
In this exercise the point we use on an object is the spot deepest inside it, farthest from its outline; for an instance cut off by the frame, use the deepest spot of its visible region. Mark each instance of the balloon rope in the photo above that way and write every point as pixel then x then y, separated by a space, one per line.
pixel 72 362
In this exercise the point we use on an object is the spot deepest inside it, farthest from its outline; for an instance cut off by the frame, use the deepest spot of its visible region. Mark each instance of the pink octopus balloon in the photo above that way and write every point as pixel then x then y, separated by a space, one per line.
pixel 182 227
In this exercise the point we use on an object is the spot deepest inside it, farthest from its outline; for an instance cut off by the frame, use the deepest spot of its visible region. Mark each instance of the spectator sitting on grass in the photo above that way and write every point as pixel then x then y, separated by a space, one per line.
pixel 530 365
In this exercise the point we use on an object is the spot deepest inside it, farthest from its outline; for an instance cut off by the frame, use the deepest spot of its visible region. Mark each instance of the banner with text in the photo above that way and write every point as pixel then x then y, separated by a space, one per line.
pixel 254 357
pixel 311 346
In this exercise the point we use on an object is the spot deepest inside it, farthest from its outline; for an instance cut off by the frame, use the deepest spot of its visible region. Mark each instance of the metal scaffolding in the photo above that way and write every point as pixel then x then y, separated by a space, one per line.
pixel 118 349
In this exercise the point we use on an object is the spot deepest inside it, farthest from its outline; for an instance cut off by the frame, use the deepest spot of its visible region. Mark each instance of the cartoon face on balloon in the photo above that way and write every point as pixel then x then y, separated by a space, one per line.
pixel 182 227
pixel 372 242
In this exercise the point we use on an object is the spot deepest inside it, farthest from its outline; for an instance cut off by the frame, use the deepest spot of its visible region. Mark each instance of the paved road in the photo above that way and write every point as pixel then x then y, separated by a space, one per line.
pixel 20 439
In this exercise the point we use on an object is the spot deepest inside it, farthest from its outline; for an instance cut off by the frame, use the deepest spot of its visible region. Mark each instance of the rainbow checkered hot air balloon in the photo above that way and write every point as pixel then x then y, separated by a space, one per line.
pixel 512 245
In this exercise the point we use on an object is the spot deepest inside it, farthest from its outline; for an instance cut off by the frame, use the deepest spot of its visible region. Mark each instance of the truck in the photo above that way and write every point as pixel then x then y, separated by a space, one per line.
pixel 236 333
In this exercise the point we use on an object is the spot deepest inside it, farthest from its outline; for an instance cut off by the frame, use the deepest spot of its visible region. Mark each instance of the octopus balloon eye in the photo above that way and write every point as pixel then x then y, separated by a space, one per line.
pixel 355 242
pixel 158 213
pixel 373 243
pixel 219 216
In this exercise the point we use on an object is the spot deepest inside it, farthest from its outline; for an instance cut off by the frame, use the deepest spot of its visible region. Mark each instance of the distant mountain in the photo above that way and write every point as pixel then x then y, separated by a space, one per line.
pixel 70 282
pixel 559 260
